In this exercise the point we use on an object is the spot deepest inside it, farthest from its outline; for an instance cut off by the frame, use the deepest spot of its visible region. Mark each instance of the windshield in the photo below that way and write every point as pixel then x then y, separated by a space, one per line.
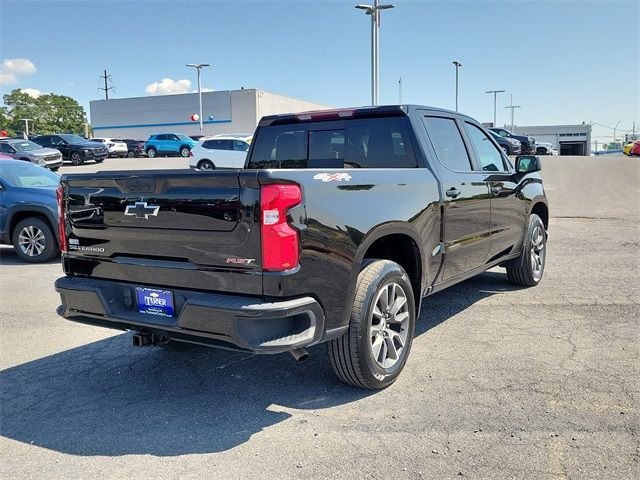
pixel 22 174
pixel 25 146
pixel 72 138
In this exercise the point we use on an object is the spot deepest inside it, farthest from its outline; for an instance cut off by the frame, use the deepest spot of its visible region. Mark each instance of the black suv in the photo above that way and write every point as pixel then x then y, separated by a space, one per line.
pixel 74 147
pixel 135 148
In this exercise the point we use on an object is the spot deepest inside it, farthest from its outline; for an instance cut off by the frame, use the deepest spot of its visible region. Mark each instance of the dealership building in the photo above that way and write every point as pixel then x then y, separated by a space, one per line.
pixel 228 111
pixel 567 139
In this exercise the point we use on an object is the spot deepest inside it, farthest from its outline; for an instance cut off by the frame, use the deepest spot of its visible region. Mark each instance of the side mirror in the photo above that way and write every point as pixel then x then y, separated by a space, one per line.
pixel 528 164
pixel 1 188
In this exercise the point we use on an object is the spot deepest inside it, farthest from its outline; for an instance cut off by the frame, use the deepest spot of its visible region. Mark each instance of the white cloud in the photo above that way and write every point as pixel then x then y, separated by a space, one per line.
pixel 12 69
pixel 168 86
pixel 34 92
pixel 205 89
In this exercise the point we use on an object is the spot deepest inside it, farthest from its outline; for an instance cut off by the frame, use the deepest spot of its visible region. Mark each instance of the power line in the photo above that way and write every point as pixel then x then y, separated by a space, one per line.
pixel 106 88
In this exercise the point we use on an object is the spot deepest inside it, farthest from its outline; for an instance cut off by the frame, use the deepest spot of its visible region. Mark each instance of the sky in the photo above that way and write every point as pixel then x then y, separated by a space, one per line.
pixel 564 61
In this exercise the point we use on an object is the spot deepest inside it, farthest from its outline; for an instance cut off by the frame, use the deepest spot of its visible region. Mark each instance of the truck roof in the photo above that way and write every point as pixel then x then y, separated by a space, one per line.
pixel 351 112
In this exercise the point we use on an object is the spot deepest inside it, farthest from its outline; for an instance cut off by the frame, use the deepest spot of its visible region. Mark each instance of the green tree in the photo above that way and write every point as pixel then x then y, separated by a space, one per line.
pixel 50 113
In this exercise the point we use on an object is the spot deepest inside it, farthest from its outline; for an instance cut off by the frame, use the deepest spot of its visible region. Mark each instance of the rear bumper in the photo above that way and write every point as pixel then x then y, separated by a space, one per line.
pixel 220 320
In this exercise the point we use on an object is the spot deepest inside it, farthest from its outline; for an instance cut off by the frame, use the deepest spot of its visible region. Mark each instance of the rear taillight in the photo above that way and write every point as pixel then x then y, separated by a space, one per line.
pixel 62 231
pixel 279 239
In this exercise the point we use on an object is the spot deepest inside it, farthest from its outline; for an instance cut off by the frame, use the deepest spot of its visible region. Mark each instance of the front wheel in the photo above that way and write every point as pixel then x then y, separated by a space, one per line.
pixel 374 350
pixel 531 262
pixel 98 160
pixel 131 154
pixel 76 158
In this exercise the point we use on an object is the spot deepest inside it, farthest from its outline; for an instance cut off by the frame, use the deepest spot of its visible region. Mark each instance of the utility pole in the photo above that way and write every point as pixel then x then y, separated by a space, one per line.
pixel 458 65
pixel 513 107
pixel 106 88
pixel 374 11
pixel 614 131
pixel 400 91
pixel 26 125
pixel 199 67
pixel 495 94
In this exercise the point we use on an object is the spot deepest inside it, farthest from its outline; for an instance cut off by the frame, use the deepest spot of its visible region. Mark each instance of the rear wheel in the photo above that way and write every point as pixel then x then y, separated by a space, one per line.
pixel 152 152
pixel 532 260
pixel 131 154
pixel 34 240
pixel 374 350
pixel 76 158
pixel 184 151
pixel 206 165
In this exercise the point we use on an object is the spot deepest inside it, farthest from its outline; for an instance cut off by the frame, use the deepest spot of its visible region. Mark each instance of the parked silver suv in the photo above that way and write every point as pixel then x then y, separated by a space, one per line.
pixel 32 152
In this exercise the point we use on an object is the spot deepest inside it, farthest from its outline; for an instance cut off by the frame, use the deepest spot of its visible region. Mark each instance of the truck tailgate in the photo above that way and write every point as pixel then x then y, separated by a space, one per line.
pixel 175 228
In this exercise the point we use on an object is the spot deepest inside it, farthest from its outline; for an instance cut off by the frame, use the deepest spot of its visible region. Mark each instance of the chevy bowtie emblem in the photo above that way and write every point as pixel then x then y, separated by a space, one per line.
pixel 142 210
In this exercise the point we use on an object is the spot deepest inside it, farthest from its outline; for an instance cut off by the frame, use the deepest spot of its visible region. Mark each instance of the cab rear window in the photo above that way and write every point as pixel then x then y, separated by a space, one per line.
pixel 358 143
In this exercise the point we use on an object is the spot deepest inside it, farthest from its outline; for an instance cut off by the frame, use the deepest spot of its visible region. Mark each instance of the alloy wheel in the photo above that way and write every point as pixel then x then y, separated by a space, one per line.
pixel 389 324
pixel 538 240
pixel 32 241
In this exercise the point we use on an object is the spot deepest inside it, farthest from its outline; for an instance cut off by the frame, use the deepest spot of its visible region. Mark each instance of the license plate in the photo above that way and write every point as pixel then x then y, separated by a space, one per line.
pixel 155 302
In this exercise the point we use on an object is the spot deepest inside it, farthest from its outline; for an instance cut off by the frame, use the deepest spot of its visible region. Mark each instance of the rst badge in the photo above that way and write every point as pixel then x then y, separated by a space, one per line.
pixel 142 210
pixel 330 177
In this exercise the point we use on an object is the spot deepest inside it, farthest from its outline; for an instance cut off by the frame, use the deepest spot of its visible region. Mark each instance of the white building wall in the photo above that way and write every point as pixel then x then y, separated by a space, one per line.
pixel 556 135
pixel 273 104
pixel 229 111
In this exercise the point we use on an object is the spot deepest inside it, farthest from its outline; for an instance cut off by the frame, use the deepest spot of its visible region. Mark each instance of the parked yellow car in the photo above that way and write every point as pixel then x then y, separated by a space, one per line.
pixel 627 148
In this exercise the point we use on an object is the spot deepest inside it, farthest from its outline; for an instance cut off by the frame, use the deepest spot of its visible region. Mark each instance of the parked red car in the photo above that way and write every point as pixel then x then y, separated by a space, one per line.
pixel 635 150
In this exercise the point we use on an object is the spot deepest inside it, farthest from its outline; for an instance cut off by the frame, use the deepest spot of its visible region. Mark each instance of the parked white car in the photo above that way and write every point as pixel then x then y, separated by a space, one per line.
pixel 115 146
pixel 220 151
pixel 543 148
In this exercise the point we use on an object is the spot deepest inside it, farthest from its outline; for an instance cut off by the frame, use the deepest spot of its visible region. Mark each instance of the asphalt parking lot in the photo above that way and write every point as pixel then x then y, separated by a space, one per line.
pixel 502 382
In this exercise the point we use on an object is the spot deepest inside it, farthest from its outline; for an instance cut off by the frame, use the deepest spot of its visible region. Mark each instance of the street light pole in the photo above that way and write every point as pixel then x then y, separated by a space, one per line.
pixel 458 65
pixel 512 107
pixel 495 94
pixel 374 11
pixel 199 67
pixel 26 125
pixel 614 131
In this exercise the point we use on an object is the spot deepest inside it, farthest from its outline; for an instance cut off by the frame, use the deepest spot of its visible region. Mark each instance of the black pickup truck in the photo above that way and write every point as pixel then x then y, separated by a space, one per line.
pixel 337 227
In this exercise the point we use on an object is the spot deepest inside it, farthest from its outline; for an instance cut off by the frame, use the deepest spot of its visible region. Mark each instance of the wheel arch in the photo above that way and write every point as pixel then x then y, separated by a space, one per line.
pixel 541 209
pixel 20 214
pixel 398 242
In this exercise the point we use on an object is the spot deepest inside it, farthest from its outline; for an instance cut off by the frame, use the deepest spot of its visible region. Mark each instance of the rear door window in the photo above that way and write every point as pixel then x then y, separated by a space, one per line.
pixel 448 144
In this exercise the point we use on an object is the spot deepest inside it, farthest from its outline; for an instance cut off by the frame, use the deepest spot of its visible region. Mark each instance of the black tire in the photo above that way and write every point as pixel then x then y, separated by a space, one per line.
pixel 76 158
pixel 54 169
pixel 184 151
pixel 34 227
pixel 541 151
pixel 526 273
pixel 152 152
pixel 98 160
pixel 131 154
pixel 352 355
pixel 505 149
pixel 206 165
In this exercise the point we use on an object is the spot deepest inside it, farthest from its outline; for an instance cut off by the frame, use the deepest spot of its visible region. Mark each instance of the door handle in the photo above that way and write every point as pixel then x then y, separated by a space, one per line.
pixel 453 192
pixel 496 190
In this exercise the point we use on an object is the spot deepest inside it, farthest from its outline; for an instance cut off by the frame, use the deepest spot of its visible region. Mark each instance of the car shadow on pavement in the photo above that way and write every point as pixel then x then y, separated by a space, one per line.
pixel 107 398
pixel 8 256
